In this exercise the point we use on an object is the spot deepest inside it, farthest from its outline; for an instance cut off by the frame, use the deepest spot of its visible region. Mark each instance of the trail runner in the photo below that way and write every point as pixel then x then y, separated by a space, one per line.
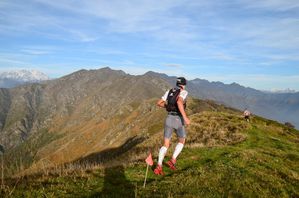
pixel 174 100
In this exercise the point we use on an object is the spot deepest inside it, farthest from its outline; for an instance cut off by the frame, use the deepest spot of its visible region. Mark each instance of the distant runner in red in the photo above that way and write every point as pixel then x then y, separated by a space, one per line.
pixel 174 100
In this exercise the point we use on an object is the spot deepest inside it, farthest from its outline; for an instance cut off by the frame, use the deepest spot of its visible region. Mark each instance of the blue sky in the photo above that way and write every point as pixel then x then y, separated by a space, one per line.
pixel 252 42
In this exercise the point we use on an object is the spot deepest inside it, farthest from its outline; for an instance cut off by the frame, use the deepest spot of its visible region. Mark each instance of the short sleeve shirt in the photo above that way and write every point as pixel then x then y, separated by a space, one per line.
pixel 247 113
pixel 183 94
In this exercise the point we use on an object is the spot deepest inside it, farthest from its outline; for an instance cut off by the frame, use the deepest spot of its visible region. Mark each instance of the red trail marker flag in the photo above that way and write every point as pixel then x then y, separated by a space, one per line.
pixel 149 162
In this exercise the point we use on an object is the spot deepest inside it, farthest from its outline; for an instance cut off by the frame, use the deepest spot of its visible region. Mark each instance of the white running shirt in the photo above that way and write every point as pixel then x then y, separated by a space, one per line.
pixel 183 94
pixel 247 113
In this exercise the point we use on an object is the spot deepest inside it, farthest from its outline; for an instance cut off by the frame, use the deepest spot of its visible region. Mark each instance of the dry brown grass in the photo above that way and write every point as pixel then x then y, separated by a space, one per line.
pixel 209 128
pixel 215 129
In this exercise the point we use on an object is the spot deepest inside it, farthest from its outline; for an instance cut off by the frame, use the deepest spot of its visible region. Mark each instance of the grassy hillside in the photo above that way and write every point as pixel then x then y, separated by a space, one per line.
pixel 82 113
pixel 224 157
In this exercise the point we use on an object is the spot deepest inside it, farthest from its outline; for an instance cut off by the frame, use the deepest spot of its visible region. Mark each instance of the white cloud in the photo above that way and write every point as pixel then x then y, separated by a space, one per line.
pixel 172 65
pixel 34 52
pixel 122 12
pixel 273 33
pixel 244 33
pixel 24 19
pixel 278 5
pixel 8 61
pixel 155 19
pixel 82 36
pixel 168 21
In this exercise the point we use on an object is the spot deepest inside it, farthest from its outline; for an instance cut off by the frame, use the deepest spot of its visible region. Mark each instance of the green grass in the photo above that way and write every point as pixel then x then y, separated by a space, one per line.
pixel 258 167
pixel 264 164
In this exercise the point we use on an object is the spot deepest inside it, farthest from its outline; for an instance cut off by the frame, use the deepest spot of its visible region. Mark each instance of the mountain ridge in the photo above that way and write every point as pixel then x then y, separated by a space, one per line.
pixel 230 95
pixel 85 106
pixel 283 107
pixel 95 109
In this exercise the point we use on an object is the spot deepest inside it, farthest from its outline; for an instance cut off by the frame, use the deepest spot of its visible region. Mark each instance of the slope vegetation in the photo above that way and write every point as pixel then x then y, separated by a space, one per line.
pixel 224 157
pixel 63 119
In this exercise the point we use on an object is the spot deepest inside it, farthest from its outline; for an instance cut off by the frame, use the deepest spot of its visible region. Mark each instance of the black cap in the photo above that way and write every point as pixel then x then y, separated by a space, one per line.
pixel 181 81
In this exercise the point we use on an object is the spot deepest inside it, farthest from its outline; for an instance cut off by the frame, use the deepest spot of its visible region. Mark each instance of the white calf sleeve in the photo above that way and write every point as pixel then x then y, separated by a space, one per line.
pixel 162 154
pixel 177 150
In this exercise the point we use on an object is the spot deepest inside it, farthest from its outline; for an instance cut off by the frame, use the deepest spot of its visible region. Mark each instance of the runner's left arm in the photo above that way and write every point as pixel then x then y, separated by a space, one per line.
pixel 180 103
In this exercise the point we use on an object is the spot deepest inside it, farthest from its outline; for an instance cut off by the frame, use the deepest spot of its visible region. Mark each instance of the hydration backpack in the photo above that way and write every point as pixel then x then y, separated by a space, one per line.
pixel 171 101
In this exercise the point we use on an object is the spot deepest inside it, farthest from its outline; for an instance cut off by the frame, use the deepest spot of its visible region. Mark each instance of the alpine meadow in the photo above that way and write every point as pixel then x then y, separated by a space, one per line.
pixel 87 134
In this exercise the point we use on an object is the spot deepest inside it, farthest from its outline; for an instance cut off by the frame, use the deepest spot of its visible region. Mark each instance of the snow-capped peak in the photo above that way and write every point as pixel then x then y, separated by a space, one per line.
pixel 24 75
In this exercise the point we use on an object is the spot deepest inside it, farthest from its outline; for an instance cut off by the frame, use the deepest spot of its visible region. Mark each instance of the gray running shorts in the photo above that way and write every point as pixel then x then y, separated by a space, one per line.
pixel 174 122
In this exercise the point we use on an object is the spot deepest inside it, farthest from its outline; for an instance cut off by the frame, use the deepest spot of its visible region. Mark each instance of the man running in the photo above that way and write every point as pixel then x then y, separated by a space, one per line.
pixel 174 100
pixel 247 115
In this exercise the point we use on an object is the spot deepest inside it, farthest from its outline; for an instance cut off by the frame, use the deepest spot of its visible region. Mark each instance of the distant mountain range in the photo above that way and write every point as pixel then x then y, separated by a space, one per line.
pixel 283 107
pixel 14 78
pixel 288 90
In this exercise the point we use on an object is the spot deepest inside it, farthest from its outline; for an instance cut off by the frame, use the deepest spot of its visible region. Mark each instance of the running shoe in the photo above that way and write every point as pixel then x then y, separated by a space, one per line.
pixel 171 164
pixel 158 170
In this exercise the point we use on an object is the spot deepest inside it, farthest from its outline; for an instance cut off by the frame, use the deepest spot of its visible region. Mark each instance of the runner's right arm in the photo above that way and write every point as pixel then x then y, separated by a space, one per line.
pixel 161 103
